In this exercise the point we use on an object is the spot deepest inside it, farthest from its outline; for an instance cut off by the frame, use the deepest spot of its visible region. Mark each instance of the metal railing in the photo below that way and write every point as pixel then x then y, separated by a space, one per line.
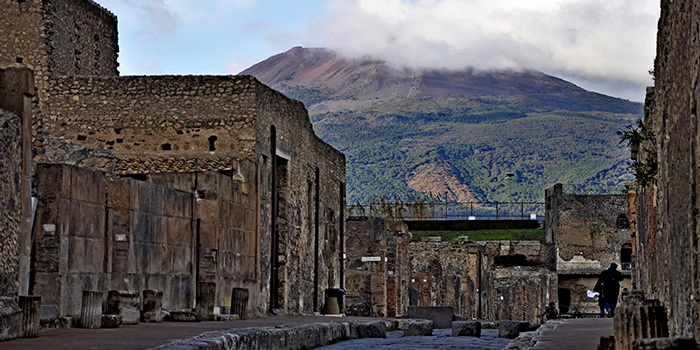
pixel 449 210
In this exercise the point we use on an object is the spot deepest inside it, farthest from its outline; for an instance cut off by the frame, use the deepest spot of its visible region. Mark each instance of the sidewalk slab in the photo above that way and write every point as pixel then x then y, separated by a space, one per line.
pixel 579 334
pixel 149 335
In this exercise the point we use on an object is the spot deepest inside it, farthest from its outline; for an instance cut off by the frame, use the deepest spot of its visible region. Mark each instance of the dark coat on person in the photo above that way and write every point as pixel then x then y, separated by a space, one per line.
pixel 608 285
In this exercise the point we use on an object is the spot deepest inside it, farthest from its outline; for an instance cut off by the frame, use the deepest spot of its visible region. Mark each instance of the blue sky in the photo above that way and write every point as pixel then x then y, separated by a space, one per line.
pixel 602 45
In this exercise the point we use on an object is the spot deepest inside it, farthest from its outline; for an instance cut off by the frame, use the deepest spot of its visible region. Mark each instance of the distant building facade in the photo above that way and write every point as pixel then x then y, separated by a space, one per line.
pixel 590 232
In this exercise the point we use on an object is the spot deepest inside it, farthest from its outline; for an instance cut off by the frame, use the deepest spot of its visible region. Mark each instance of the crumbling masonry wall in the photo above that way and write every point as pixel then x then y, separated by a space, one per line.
pixel 205 118
pixel 587 238
pixel 67 37
pixel 378 284
pixel 464 274
pixel 667 227
pixel 10 172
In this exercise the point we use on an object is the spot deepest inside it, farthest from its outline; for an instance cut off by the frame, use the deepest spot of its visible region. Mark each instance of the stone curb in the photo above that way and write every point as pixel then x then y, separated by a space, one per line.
pixel 293 336
pixel 526 340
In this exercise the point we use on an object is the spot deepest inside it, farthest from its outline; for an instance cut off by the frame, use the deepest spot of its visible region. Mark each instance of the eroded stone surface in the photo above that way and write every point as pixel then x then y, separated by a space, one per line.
pixel 421 328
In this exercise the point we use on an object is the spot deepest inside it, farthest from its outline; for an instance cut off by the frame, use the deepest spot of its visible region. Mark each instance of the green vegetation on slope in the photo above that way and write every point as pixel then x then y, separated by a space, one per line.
pixel 483 235
pixel 483 139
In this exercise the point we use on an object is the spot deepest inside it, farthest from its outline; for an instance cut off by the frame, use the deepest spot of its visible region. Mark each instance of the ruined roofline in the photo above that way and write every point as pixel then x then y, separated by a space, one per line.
pixel 103 9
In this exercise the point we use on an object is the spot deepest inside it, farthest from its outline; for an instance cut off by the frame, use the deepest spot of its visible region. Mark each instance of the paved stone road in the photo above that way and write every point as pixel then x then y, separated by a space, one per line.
pixel 441 339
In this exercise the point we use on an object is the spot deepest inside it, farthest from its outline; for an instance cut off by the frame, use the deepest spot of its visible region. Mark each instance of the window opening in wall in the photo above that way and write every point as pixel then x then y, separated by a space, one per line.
pixel 166 147
pixel 19 60
pixel 212 140
pixel 82 137
pixel 623 222
pixel 626 256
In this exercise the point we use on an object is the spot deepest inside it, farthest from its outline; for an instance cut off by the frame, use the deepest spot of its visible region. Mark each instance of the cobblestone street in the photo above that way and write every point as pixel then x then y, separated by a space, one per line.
pixel 441 339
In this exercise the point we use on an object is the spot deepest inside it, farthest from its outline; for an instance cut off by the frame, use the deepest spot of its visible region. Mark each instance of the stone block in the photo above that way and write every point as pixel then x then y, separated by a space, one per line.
pixel 511 329
pixel 466 329
pixel 418 328
pixel 184 316
pixel 48 312
pixel 607 342
pixel 442 316
pixel 111 321
pixel 152 306
pixel 10 319
pixel 665 344
pixel 125 303
pixel 371 330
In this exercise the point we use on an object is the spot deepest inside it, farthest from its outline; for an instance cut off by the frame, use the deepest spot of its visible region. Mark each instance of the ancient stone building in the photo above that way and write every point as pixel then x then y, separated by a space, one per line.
pixel 192 185
pixel 667 208
pixel 589 232
pixel 466 275
pixel 378 269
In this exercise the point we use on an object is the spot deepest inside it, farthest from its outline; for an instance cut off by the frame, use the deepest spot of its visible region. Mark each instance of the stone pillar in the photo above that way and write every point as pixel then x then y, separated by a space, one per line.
pixel 16 92
pixel 152 306
pixel 206 297
pixel 638 320
pixel 125 303
pixel 239 302
pixel 91 310
pixel 31 312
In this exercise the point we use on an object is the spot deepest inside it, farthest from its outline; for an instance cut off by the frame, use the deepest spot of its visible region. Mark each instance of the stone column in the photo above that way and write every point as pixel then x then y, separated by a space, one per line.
pixel 91 310
pixel 31 312
pixel 239 302
pixel 638 320
pixel 152 305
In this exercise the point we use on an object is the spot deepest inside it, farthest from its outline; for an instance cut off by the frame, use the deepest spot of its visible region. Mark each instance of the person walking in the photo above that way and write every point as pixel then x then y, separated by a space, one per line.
pixel 608 285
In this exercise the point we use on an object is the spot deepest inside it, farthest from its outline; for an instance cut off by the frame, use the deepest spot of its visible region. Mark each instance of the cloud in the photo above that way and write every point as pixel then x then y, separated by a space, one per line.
pixel 146 67
pixel 236 66
pixel 590 39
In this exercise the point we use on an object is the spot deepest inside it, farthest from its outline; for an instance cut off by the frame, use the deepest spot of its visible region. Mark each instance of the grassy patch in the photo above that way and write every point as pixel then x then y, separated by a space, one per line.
pixel 483 235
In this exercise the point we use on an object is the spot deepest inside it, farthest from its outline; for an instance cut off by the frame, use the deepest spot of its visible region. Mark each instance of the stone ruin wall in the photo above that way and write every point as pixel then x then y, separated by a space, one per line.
pixel 53 38
pixel 584 228
pixel 10 173
pixel 523 292
pixel 446 273
pixel 387 279
pixel 464 274
pixel 147 126
pixel 301 152
pixel 667 212
pixel 151 124
pixel 129 234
